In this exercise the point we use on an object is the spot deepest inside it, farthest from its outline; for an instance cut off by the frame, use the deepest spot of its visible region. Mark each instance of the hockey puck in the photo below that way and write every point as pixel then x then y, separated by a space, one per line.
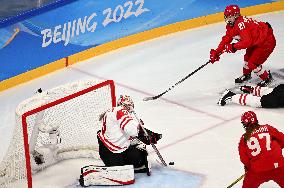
pixel 171 163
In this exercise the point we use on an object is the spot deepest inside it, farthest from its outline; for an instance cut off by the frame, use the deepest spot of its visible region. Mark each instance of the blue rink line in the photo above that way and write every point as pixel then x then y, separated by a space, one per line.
pixel 164 177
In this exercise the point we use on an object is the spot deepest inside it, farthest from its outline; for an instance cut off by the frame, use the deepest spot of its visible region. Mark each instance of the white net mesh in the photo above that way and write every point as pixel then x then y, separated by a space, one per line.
pixel 76 111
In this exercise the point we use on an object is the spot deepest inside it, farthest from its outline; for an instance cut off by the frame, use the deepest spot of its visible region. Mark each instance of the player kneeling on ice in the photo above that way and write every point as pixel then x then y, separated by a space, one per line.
pixel 122 146
pixel 260 150
pixel 254 36
pixel 255 96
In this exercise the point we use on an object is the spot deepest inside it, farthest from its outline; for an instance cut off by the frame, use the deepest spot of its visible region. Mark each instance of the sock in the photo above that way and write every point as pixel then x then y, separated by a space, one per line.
pixel 261 73
pixel 246 71
pixel 264 75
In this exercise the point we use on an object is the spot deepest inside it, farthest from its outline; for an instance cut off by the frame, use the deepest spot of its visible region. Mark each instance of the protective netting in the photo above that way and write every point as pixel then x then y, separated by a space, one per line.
pixel 75 108
pixel 12 8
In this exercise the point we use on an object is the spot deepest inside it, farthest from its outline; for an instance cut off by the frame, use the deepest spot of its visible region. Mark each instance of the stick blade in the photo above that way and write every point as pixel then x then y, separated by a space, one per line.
pixel 148 98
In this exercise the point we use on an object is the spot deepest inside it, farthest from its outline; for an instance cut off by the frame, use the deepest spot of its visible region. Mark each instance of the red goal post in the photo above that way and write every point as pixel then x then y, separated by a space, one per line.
pixel 74 108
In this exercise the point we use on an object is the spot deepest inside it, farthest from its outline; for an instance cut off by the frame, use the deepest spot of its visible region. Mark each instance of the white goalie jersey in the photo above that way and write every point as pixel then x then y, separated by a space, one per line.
pixel 118 127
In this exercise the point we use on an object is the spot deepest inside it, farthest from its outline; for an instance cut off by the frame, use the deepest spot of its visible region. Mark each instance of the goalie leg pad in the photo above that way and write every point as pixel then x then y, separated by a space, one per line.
pixel 101 175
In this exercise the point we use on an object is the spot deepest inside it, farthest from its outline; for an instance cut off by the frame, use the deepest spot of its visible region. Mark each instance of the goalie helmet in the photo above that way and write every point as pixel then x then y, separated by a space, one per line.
pixel 126 101
pixel 249 118
pixel 231 12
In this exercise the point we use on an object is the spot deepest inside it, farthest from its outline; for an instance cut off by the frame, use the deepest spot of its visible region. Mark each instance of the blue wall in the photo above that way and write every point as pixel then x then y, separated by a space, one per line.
pixel 52 32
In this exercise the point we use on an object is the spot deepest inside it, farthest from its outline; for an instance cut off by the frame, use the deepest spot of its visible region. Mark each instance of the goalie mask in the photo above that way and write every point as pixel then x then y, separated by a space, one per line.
pixel 248 119
pixel 125 101
pixel 231 13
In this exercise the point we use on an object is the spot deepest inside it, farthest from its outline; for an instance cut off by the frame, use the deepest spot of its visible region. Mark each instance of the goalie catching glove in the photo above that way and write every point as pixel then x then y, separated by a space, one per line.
pixel 152 137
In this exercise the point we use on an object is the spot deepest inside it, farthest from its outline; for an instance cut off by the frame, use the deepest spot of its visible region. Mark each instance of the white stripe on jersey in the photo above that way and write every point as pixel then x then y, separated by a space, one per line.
pixel 125 121
pixel 118 126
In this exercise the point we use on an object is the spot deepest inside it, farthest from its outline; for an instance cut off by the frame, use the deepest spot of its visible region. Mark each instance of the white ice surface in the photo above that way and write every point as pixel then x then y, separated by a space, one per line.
pixel 199 136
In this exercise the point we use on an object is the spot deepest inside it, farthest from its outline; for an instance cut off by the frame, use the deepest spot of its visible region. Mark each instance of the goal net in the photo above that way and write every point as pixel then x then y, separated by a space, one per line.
pixel 54 125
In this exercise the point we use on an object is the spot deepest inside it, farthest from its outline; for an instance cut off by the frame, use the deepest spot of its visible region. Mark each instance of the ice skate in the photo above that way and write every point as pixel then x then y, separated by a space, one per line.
pixel 226 97
pixel 267 81
pixel 243 78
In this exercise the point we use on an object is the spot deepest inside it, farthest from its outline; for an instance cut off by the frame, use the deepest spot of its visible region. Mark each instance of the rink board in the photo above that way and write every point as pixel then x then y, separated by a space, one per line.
pixel 20 68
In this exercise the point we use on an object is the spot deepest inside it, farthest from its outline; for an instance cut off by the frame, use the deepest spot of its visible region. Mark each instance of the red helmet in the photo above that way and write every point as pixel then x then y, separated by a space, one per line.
pixel 249 118
pixel 232 10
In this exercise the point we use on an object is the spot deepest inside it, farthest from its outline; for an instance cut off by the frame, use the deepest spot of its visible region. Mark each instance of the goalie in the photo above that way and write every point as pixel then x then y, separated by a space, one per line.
pixel 122 142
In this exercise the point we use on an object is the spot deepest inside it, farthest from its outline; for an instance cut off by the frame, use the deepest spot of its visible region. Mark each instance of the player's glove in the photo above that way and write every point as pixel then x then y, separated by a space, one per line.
pixel 151 139
pixel 246 89
pixel 229 48
pixel 214 56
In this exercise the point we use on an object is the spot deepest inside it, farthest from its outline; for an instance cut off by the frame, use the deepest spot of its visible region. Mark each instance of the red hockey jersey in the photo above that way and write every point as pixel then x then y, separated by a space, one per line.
pixel 263 151
pixel 247 31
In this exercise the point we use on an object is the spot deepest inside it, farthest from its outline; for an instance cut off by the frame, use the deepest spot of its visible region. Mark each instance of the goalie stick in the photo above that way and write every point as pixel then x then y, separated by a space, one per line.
pixel 153 145
pixel 158 96
pixel 236 181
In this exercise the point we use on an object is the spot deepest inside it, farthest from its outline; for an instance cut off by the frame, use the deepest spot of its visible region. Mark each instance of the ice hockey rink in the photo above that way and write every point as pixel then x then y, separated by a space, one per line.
pixel 200 137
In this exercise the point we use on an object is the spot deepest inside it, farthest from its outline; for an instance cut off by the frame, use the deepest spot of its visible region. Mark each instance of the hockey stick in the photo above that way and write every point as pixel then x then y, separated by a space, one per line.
pixel 153 145
pixel 158 96
pixel 236 181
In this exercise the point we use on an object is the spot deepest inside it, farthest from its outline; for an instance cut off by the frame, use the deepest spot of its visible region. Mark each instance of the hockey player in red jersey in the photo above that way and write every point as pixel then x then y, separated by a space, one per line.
pixel 254 36
pixel 260 150
pixel 255 96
